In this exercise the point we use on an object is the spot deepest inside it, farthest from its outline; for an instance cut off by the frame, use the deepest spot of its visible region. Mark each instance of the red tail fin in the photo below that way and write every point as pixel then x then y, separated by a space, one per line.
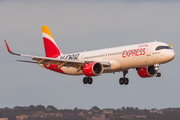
pixel 51 49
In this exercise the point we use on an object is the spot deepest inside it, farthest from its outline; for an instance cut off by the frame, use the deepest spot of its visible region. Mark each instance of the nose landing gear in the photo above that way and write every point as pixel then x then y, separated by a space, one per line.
pixel 158 74
pixel 157 68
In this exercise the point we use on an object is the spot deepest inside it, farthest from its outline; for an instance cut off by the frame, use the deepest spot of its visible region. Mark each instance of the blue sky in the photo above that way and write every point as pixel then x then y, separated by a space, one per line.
pixel 77 25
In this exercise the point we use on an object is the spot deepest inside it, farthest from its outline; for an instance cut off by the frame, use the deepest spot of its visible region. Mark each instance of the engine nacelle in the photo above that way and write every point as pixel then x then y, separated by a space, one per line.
pixel 93 69
pixel 148 71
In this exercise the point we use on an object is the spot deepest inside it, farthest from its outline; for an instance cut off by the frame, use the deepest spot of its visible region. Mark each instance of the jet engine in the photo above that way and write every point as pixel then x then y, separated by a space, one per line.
pixel 147 71
pixel 92 69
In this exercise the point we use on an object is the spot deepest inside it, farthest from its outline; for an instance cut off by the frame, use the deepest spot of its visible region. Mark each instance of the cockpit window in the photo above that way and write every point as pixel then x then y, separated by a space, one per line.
pixel 163 47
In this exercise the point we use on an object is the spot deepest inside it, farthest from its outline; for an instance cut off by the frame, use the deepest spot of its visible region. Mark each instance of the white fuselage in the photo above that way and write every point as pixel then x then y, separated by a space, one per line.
pixel 123 58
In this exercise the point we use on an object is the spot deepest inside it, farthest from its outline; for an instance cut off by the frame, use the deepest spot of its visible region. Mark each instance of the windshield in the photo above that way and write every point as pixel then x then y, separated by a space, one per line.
pixel 162 47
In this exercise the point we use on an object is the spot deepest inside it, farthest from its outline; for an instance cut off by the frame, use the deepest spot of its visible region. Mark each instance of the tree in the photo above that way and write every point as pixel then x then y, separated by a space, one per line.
pixel 51 108
pixel 31 107
pixel 95 108
pixel 75 108
pixel 41 108
pixel 123 108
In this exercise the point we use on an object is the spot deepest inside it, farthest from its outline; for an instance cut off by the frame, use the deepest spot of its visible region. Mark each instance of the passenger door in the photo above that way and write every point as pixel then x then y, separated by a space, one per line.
pixel 148 50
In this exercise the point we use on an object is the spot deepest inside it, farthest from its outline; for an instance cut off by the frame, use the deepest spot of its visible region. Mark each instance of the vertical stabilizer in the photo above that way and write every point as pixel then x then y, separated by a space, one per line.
pixel 50 46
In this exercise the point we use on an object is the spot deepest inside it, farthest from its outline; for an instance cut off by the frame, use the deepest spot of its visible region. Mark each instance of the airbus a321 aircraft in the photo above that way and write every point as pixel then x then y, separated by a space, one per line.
pixel 145 58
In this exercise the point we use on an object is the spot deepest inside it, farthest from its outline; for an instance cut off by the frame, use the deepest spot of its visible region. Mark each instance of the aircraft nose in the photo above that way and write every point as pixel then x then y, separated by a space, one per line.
pixel 171 55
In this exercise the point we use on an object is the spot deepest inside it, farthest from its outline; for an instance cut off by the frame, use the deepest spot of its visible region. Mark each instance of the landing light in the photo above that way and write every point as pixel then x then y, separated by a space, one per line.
pixel 156 65
pixel 156 68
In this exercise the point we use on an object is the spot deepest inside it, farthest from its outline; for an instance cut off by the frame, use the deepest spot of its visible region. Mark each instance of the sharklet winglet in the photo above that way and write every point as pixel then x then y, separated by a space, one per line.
pixel 10 50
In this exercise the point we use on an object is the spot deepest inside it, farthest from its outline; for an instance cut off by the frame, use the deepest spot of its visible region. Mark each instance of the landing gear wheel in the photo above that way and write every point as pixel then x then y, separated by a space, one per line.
pixel 85 80
pixel 90 80
pixel 158 75
pixel 126 81
pixel 121 81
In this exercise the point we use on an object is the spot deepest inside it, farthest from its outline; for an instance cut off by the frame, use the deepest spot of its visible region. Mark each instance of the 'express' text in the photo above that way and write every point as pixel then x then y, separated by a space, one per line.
pixel 134 52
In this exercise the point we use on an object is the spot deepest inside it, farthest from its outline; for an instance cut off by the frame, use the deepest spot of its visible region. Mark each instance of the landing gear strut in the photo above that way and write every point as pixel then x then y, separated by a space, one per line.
pixel 157 68
pixel 124 80
pixel 88 80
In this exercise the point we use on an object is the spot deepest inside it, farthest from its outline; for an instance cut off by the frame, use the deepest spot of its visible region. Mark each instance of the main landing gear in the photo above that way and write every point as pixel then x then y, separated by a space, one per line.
pixel 124 80
pixel 88 80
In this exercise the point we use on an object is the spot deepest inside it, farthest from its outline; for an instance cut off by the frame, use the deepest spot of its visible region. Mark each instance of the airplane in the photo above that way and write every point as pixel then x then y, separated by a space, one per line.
pixel 145 58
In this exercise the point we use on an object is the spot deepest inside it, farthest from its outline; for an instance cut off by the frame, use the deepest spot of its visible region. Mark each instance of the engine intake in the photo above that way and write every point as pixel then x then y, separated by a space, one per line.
pixel 93 69
pixel 147 71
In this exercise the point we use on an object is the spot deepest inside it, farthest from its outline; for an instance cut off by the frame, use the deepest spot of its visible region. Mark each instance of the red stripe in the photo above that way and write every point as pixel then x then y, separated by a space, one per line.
pixel 54 68
pixel 7 46
pixel 51 49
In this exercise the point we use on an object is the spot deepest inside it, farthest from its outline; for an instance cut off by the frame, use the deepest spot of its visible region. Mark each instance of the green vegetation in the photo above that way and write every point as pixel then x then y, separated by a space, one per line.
pixel 51 113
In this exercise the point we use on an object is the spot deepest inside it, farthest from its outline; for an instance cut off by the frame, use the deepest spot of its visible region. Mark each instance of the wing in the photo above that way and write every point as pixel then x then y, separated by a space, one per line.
pixel 57 61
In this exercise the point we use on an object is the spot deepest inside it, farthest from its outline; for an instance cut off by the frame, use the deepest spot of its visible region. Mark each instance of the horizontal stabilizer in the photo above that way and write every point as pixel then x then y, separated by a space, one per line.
pixel 27 61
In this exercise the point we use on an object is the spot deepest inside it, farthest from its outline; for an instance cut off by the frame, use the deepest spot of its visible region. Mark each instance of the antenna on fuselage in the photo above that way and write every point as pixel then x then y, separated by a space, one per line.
pixel 155 40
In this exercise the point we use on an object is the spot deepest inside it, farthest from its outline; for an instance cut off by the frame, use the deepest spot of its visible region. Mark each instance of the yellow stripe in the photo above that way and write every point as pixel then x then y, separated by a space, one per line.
pixel 171 45
pixel 46 30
